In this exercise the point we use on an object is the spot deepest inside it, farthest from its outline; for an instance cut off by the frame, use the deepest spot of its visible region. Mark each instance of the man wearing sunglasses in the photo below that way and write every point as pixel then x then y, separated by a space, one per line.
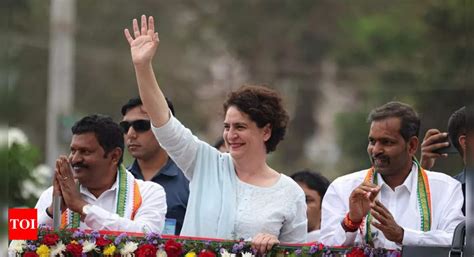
pixel 152 162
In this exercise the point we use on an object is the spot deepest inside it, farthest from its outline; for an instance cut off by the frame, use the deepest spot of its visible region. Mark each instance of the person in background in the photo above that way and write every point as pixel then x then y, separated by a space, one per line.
pixel 220 145
pixel 152 162
pixel 435 140
pixel 314 186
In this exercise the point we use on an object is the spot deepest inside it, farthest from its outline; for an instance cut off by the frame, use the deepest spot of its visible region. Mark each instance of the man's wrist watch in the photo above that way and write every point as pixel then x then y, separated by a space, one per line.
pixel 86 209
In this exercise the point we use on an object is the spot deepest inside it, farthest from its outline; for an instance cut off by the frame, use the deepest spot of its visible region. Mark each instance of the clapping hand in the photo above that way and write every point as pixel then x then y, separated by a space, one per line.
pixel 361 199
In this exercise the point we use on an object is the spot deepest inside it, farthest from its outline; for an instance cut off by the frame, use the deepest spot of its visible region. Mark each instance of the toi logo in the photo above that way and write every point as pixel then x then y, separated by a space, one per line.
pixel 22 224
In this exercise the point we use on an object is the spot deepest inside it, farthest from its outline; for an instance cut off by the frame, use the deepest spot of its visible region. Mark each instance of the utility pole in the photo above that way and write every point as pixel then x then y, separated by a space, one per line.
pixel 60 73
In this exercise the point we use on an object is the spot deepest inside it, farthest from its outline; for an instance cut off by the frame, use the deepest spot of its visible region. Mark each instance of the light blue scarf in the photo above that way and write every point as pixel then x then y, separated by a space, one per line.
pixel 213 198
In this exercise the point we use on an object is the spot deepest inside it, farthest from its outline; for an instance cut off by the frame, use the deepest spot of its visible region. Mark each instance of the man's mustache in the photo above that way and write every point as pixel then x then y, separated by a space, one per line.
pixel 380 157
pixel 79 165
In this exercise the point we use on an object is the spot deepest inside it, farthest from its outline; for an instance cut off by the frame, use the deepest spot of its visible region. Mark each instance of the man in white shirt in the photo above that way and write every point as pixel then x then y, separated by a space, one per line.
pixel 101 194
pixel 396 202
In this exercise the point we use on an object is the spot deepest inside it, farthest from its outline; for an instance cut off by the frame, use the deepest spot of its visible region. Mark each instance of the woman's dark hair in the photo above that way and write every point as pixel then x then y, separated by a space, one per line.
pixel 264 106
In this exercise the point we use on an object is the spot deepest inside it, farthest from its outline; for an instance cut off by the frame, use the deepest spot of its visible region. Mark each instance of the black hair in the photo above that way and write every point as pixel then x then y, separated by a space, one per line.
pixel 457 126
pixel 136 101
pixel 410 122
pixel 220 142
pixel 314 180
pixel 108 133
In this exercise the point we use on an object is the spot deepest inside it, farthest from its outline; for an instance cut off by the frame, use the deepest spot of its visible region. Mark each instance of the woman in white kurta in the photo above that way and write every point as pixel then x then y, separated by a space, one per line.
pixel 234 195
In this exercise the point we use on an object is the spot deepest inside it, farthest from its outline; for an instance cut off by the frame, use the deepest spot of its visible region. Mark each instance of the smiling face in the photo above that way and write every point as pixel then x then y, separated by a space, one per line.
pixel 389 153
pixel 242 135
pixel 141 145
pixel 92 167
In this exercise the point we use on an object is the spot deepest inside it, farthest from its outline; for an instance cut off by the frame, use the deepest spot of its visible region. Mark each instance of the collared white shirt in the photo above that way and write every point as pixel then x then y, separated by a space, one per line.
pixel 446 202
pixel 314 236
pixel 150 216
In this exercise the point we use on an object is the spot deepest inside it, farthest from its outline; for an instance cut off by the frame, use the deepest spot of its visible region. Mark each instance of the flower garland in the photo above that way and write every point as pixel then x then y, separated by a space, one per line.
pixel 78 243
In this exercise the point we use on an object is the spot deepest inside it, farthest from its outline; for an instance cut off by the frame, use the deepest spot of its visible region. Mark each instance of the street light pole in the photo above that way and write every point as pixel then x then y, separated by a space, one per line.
pixel 61 72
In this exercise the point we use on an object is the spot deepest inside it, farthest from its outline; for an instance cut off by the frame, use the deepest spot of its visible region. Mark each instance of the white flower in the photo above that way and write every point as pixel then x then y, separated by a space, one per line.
pixel 161 253
pixel 88 246
pixel 12 136
pixel 247 254
pixel 225 253
pixel 17 246
pixel 128 249
pixel 58 249
pixel 43 173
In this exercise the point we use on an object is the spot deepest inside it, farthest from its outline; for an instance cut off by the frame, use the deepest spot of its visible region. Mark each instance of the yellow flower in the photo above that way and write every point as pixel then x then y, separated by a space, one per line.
pixel 43 251
pixel 190 254
pixel 73 242
pixel 109 250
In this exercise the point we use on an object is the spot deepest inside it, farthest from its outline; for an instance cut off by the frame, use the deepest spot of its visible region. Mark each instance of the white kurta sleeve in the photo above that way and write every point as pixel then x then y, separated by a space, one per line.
pixel 150 217
pixel 44 202
pixel 180 144
pixel 334 209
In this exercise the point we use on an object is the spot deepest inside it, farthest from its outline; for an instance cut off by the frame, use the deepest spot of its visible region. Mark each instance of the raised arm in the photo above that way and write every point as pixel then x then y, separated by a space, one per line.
pixel 143 45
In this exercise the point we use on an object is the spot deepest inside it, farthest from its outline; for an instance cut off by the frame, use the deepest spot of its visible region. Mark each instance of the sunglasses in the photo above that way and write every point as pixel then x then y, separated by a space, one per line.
pixel 138 125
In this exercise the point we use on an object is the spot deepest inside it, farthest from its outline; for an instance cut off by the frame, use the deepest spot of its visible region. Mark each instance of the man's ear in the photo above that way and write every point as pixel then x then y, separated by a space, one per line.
pixel 267 132
pixel 115 155
pixel 462 143
pixel 413 145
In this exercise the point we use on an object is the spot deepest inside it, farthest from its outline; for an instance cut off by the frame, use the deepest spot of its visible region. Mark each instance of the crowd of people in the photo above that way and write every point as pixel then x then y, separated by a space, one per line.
pixel 179 184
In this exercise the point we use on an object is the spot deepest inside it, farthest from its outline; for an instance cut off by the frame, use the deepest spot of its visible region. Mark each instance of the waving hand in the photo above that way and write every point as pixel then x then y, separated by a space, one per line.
pixel 144 42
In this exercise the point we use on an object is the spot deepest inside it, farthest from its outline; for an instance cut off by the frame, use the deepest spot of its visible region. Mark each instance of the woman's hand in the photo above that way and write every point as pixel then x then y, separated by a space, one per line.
pixel 146 41
pixel 264 242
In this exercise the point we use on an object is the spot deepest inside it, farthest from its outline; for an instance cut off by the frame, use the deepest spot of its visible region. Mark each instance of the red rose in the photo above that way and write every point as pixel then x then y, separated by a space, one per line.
pixel 30 254
pixel 206 253
pixel 50 239
pixel 356 252
pixel 320 247
pixel 173 248
pixel 101 242
pixel 74 249
pixel 146 250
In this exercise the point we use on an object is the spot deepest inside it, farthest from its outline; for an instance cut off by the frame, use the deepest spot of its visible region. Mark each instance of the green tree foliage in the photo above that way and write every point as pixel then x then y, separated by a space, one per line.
pixel 21 160
pixel 420 52
pixel 416 52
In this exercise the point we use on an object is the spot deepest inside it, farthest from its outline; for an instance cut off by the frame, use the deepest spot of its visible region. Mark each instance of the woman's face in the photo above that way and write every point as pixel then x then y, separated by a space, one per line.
pixel 242 136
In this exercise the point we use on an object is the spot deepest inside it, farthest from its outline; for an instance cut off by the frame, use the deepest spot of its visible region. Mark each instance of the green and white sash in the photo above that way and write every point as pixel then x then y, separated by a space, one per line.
pixel 128 200
pixel 423 198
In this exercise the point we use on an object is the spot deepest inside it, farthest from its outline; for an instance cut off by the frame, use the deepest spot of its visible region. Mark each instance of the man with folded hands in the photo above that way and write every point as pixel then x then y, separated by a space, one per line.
pixel 97 191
